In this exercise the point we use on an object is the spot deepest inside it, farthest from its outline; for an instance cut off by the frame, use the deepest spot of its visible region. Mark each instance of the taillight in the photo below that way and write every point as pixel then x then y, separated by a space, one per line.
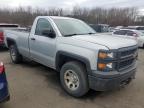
pixel 135 35
pixel 1 36
pixel 2 68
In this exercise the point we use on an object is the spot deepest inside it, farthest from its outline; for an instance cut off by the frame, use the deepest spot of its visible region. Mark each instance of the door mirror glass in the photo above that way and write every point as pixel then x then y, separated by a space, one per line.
pixel 49 33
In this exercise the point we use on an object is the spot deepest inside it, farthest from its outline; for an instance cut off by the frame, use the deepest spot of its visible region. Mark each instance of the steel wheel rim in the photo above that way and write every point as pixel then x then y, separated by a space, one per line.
pixel 71 80
pixel 13 54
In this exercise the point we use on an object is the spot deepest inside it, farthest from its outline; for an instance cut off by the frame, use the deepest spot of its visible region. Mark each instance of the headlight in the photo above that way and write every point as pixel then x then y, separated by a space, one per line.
pixel 104 55
pixel 105 61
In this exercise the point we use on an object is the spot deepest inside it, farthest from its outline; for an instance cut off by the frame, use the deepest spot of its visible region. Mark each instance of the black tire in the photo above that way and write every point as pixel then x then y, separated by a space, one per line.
pixel 80 71
pixel 13 50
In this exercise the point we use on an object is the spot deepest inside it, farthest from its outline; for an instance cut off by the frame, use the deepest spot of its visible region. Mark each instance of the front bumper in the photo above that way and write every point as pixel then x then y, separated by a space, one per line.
pixel 102 83
pixel 7 98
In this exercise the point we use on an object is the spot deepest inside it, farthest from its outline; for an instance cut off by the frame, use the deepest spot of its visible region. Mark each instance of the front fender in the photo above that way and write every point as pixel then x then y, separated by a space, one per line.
pixel 73 56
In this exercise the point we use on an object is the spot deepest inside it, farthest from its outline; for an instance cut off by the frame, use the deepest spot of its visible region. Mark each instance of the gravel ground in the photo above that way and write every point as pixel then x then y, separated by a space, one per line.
pixel 34 86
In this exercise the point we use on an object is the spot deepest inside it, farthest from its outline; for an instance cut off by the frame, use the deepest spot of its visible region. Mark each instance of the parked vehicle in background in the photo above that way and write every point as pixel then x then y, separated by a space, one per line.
pixel 85 60
pixel 131 34
pixel 100 28
pixel 111 29
pixel 139 28
pixel 4 93
pixel 4 26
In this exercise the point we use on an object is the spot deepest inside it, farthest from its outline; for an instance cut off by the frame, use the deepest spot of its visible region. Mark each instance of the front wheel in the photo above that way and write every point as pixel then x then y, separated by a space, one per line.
pixel 14 54
pixel 74 79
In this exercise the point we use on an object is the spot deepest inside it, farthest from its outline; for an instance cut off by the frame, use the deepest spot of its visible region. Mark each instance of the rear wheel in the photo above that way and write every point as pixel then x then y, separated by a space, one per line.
pixel 14 54
pixel 74 79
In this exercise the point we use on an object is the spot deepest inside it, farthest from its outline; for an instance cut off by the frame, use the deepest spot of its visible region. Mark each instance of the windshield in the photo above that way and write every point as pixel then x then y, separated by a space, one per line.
pixel 69 27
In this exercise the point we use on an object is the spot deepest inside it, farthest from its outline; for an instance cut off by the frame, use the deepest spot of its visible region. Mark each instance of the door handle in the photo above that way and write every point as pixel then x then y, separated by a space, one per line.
pixel 33 39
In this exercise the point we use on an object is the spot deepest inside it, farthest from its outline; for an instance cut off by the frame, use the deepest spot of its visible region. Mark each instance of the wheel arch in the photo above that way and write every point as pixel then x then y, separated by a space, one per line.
pixel 62 57
pixel 10 41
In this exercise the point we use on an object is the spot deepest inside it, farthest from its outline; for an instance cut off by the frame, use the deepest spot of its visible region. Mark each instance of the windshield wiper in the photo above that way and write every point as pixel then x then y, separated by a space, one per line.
pixel 90 33
pixel 78 34
pixel 71 34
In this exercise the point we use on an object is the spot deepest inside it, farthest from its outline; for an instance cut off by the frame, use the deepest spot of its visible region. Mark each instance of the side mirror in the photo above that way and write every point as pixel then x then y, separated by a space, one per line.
pixel 49 33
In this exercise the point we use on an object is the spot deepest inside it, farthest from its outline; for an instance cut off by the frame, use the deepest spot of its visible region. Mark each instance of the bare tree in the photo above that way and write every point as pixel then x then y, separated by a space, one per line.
pixel 112 16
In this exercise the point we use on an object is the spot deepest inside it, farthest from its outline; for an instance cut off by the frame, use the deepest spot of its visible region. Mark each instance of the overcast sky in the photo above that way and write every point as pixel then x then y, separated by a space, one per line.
pixel 70 3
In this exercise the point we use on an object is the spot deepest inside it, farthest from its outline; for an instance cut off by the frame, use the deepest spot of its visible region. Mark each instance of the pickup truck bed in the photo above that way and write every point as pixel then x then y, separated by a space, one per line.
pixel 3 27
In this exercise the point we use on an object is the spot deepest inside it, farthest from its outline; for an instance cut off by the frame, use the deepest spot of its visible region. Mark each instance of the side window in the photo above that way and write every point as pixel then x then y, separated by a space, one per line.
pixel 116 32
pixel 120 32
pixel 123 32
pixel 42 25
pixel 130 33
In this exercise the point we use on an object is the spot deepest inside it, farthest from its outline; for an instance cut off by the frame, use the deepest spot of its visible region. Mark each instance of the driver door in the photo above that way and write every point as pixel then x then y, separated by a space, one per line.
pixel 42 47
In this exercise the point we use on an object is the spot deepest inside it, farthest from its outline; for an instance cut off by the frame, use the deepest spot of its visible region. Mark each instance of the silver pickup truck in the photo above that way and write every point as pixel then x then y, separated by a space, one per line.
pixel 85 60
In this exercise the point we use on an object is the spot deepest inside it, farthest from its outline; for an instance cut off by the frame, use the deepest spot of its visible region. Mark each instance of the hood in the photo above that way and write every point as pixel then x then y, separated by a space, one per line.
pixel 108 41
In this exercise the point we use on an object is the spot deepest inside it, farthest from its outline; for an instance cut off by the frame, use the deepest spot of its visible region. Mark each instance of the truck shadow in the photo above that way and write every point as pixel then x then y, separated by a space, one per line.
pixel 141 48
pixel 3 49
pixel 53 81
pixel 2 105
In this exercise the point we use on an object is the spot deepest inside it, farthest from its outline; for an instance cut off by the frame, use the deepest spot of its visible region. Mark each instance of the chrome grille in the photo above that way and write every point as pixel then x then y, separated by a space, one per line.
pixel 128 53
pixel 126 63
pixel 127 57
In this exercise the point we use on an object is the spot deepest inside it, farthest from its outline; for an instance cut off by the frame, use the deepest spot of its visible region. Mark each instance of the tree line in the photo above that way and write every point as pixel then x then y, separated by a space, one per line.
pixel 97 15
